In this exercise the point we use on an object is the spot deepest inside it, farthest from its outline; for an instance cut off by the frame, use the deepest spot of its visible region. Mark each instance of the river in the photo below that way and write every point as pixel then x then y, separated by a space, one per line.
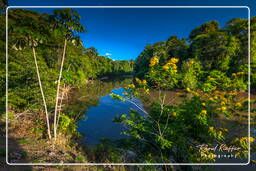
pixel 98 121
pixel 97 110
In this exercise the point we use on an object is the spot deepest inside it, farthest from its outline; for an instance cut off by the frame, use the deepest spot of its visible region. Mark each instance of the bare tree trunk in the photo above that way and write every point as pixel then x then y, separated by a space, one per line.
pixel 58 90
pixel 42 92
pixel 58 113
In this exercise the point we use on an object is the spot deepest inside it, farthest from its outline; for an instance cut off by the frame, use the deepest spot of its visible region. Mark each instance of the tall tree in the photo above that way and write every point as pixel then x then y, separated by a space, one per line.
pixel 208 27
pixel 215 50
pixel 67 22
pixel 28 29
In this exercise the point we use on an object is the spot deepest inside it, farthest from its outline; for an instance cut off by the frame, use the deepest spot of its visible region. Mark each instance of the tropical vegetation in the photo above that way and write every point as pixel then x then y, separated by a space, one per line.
pixel 208 71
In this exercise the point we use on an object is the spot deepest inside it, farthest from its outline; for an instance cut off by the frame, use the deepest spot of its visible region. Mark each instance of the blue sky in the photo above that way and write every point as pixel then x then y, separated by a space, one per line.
pixel 123 33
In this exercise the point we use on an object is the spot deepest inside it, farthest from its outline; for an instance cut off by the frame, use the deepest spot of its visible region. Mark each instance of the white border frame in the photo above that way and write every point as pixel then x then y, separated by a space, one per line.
pixel 141 164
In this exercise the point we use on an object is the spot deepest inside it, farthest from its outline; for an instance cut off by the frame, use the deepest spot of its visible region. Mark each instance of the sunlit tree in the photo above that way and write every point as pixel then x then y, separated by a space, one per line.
pixel 28 29
pixel 67 22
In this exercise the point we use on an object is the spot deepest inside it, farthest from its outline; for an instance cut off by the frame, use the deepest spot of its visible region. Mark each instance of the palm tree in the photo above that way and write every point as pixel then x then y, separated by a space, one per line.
pixel 29 30
pixel 67 21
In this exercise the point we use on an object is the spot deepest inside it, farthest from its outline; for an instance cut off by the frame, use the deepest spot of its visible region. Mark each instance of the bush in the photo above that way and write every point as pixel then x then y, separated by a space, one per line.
pixel 191 70
pixel 67 124
pixel 216 80
pixel 219 80
pixel 80 158
pixel 177 131
pixel 240 79
pixel 166 76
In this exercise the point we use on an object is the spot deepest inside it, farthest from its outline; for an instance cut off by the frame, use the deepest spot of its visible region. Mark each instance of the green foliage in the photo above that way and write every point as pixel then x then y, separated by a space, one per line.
pixel 216 79
pixel 67 124
pixel 213 59
pixel 191 71
pixel 215 50
pixel 23 141
pixel 39 128
pixel 117 97
pixel 172 131
pixel 165 50
pixel 216 53
pixel 240 83
pixel 205 28
pixel 80 158
pixel 165 76
pixel 37 161
pixel 45 32
pixel 175 130
pixel 37 131
pixel 27 28
pixel 243 142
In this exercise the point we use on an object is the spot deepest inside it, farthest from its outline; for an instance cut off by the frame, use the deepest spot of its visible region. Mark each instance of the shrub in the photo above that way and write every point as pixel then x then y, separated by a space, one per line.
pixel 216 80
pixel 67 124
pixel 176 129
pixel 166 76
pixel 191 70
pixel 80 158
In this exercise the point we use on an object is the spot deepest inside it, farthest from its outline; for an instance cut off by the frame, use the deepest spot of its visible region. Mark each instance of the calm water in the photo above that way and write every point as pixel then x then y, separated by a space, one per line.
pixel 98 120
pixel 98 109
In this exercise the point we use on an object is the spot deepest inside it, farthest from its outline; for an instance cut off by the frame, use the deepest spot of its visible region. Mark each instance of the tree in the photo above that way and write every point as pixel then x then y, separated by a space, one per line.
pixel 208 27
pixel 29 29
pixel 142 61
pixel 67 21
pixel 177 48
pixel 164 50
pixel 238 28
pixel 215 50
pixel 91 51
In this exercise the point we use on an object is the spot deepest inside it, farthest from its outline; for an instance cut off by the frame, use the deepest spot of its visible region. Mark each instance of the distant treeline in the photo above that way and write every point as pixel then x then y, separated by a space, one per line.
pixel 29 29
pixel 208 51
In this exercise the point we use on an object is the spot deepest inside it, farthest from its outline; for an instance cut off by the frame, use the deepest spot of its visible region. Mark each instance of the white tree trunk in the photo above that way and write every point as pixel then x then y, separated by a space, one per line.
pixel 58 90
pixel 43 97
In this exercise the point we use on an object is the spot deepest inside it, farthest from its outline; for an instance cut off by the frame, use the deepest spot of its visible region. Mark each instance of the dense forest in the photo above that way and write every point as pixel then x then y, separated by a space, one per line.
pixel 207 72
pixel 81 64
pixel 208 51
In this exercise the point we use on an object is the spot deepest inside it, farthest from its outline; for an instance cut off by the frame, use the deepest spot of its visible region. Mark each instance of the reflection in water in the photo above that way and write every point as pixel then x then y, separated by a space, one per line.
pixel 99 119
pixel 95 110
pixel 82 98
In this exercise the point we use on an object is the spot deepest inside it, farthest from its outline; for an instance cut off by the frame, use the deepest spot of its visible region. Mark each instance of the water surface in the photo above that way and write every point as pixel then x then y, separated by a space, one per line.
pixel 98 122
pixel 98 110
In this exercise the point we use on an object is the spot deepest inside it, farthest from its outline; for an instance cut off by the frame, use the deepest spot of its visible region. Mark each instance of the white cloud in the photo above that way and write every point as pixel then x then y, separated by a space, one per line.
pixel 108 54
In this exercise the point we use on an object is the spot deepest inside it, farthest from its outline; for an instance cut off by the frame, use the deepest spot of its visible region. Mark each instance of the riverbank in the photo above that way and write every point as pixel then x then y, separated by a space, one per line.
pixel 31 145
pixel 27 134
pixel 27 143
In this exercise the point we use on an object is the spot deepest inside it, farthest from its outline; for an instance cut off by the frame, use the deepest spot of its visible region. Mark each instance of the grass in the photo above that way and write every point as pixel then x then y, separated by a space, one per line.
pixel 37 161
pixel 80 158
pixel 60 167
pixel 24 141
